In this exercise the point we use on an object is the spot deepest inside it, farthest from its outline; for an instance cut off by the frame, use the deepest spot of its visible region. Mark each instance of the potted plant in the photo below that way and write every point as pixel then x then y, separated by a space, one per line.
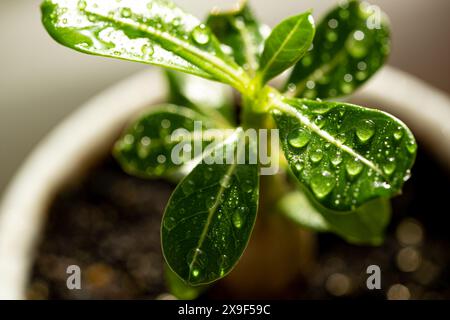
pixel 341 162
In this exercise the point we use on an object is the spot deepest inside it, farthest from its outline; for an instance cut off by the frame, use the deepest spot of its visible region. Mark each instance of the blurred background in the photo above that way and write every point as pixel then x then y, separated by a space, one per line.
pixel 42 82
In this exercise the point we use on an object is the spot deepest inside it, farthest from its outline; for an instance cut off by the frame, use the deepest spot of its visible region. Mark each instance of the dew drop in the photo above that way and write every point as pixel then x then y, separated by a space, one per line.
pixel 237 220
pixel 346 88
pixel 237 217
pixel 389 168
pixel 320 121
pixel 292 87
pixel 165 124
pixel 342 137
pixel 92 18
pixel 310 84
pixel 146 141
pixel 196 258
pixel 200 34
pixel 128 139
pixel 332 36
pixel 358 35
pixel 299 138
pixel 398 134
pixel 210 202
pixel 247 187
pixel 344 14
pixel 225 181
pixel 412 147
pixel 322 184
pixel 356 46
pixel 125 12
pixel 333 23
pixel 298 167
pixel 169 223
pixel 337 160
pixel 143 151
pixel 147 50
pixel 223 263
pixel 348 77
pixel 361 76
pixel 310 94
pixel 82 4
pixel 161 159
pixel 365 130
pixel 195 273
pixel 188 187
pixel 316 156
pixel 307 61
pixel 354 167
pixel 362 65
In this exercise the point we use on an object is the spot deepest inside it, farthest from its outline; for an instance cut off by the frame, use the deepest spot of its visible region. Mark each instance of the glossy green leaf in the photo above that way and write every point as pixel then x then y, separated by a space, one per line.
pixel 287 43
pixel 178 288
pixel 344 154
pixel 210 216
pixel 149 31
pixel 189 91
pixel 165 142
pixel 351 44
pixel 365 225
pixel 240 30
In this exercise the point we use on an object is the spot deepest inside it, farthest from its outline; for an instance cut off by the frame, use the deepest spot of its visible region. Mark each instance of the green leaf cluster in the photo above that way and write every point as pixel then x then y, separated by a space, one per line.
pixel 348 160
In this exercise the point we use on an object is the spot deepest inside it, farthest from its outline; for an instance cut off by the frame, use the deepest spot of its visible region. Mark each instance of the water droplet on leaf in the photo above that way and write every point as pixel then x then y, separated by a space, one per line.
pixel 337 160
pixel 365 130
pixel 125 12
pixel 82 4
pixel 188 187
pixel 200 35
pixel 299 138
pixel 322 184
pixel 411 146
pixel 237 217
pixel 354 167
pixel 225 181
pixel 316 155
pixel 147 50
pixel 169 223
pixel 398 134
pixel 389 168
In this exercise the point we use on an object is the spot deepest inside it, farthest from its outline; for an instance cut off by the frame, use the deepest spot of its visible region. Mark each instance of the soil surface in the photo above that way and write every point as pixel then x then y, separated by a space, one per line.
pixel 108 225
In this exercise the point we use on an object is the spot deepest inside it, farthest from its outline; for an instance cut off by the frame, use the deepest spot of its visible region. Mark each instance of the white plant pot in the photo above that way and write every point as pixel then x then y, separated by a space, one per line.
pixel 87 135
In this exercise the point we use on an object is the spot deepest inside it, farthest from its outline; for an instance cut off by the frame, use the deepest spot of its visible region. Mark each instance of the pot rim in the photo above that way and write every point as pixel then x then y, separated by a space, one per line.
pixel 81 138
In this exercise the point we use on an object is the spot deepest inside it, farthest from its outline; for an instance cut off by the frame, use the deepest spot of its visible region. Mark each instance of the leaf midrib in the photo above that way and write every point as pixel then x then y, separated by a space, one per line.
pixel 213 209
pixel 235 76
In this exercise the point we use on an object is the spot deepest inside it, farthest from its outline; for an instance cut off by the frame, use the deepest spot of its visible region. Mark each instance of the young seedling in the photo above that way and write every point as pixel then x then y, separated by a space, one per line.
pixel 345 161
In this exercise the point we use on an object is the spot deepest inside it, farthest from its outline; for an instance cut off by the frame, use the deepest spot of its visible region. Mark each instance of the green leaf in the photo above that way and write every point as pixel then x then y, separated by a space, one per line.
pixel 165 141
pixel 210 216
pixel 189 91
pixel 351 44
pixel 344 154
pixel 150 31
pixel 287 43
pixel 240 30
pixel 365 225
pixel 179 288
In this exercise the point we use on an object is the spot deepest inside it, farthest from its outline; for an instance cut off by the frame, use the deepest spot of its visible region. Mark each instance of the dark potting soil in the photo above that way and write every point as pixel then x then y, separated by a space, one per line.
pixel 108 225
